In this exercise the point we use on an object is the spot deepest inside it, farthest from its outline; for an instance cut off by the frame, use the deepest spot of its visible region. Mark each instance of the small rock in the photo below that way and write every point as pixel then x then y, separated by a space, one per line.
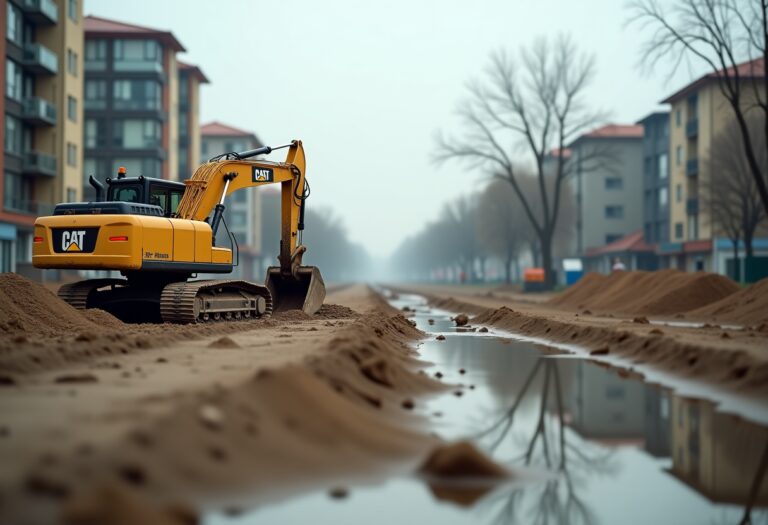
pixel 483 330
pixel 641 320
pixel 408 404
pixel 438 375
pixel 725 335
pixel 161 360
pixel 600 351
pixel 431 321
pixel 587 312
pixel 77 378
pixel 7 380
pixel 338 493
pixel 461 319
pixel 656 331
pixel 458 393
pixel 211 416
pixel 462 371
pixel 440 337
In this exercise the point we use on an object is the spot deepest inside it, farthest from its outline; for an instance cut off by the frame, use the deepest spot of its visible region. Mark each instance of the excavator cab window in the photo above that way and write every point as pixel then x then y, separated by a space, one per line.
pixel 126 193
pixel 165 197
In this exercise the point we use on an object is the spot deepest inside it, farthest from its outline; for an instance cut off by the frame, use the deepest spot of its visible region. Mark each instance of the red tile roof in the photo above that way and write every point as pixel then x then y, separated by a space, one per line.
pixel 746 70
pixel 616 131
pixel 634 242
pixel 223 130
pixel 102 27
pixel 194 70
pixel 556 152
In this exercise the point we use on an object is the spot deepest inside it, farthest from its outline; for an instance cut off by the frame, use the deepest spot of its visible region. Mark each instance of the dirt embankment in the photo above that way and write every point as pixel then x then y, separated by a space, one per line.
pixel 39 331
pixel 661 293
pixel 733 369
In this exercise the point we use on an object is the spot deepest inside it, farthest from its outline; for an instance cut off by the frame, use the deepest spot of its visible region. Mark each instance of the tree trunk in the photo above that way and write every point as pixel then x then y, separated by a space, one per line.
pixel 508 270
pixel 546 261
pixel 736 267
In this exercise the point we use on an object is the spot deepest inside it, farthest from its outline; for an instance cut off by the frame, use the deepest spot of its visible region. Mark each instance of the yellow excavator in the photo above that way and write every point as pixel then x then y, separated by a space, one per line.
pixel 159 234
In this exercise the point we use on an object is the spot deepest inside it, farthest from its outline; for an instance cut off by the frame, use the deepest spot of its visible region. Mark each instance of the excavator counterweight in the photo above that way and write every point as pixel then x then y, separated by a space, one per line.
pixel 158 234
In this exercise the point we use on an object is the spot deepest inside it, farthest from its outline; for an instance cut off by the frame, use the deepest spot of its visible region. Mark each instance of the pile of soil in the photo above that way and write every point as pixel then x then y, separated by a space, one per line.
pixel 664 292
pixel 748 306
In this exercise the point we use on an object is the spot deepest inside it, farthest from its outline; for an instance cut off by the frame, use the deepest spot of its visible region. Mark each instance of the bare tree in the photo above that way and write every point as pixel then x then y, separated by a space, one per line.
pixel 537 103
pixel 720 33
pixel 732 196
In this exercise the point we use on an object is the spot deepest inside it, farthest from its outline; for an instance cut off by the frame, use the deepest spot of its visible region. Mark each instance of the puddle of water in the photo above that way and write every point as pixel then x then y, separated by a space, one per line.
pixel 603 448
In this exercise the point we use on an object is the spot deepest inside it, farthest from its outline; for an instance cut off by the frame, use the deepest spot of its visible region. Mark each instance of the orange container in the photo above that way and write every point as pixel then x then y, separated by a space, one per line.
pixel 533 275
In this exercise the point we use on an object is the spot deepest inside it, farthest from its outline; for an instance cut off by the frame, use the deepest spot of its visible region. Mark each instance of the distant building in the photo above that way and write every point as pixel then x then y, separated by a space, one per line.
pixel 656 177
pixel 42 46
pixel 131 100
pixel 190 79
pixel 606 191
pixel 699 111
pixel 243 212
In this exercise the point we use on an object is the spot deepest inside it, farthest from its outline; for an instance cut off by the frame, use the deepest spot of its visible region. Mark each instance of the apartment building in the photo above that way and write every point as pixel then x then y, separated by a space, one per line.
pixel 243 213
pixel 656 177
pixel 698 113
pixel 606 181
pixel 43 117
pixel 131 100
pixel 190 79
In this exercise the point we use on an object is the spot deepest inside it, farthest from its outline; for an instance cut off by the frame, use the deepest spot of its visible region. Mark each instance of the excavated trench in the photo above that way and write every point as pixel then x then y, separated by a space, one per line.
pixel 585 443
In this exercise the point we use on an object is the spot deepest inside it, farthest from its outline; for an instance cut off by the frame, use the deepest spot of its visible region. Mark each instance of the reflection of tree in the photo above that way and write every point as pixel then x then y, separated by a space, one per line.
pixel 549 446
pixel 755 488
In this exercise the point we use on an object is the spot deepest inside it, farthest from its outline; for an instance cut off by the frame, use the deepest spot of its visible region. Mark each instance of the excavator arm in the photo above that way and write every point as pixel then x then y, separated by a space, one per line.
pixel 214 181
pixel 292 285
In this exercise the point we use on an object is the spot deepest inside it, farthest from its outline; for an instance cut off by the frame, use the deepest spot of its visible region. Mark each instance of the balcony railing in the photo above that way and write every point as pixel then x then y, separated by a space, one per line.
pixel 692 167
pixel 41 11
pixel 40 59
pixel 36 163
pixel 15 204
pixel 692 206
pixel 138 65
pixel 692 128
pixel 39 112
pixel 137 104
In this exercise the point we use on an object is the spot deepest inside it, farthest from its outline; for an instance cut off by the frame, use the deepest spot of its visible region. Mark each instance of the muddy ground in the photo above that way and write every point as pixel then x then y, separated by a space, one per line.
pixel 694 325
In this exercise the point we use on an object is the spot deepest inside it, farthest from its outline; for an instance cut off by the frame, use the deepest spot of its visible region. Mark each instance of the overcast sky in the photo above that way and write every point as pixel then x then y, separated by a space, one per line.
pixel 366 85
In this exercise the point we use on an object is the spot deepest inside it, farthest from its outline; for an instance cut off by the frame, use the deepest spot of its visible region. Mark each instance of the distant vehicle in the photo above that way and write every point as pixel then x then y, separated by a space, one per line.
pixel 534 280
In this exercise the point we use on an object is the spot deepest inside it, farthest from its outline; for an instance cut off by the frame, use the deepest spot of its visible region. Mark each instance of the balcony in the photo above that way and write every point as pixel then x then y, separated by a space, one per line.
pixel 692 167
pixel 18 205
pixel 692 128
pixel 39 112
pixel 40 60
pixel 36 163
pixel 43 12
pixel 692 206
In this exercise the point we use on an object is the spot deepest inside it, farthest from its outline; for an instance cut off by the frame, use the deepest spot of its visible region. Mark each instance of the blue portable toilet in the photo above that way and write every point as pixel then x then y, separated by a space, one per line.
pixel 573 270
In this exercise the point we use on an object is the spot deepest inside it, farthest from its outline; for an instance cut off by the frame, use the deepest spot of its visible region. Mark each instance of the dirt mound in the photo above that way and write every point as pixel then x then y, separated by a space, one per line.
pixel 335 311
pixel 747 306
pixel 662 292
pixel 28 308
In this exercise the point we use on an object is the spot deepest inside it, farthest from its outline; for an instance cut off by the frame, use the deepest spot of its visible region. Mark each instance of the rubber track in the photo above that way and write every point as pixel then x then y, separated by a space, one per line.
pixel 177 302
pixel 76 294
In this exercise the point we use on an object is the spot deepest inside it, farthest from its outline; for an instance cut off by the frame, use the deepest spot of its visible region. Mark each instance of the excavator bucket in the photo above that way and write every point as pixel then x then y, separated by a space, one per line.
pixel 305 292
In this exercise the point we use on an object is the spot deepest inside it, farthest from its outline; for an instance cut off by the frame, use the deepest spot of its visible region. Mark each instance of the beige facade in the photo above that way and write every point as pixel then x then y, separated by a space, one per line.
pixel 172 126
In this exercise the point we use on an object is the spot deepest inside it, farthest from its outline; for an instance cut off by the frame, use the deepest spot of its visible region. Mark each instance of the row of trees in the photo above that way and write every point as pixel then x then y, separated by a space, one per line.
pixel 534 102
pixel 474 228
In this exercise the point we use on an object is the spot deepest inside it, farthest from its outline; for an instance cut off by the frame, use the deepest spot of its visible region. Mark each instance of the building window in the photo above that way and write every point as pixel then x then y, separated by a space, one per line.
pixel 678 118
pixel 136 134
pixel 13 24
pixel 679 155
pixel 17 192
pixel 71 154
pixel 95 54
pixel 72 108
pixel 184 88
pixel 137 55
pixel 136 94
pixel 148 167
pixel 71 194
pixel 71 62
pixel 94 133
pixel 611 237
pixel 614 212
pixel 663 197
pixel 679 193
pixel 614 183
pixel 95 94
pixel 693 227
pixel 663 166
pixel 678 230
pixel 12 80
pixel 12 135
pixel 72 10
